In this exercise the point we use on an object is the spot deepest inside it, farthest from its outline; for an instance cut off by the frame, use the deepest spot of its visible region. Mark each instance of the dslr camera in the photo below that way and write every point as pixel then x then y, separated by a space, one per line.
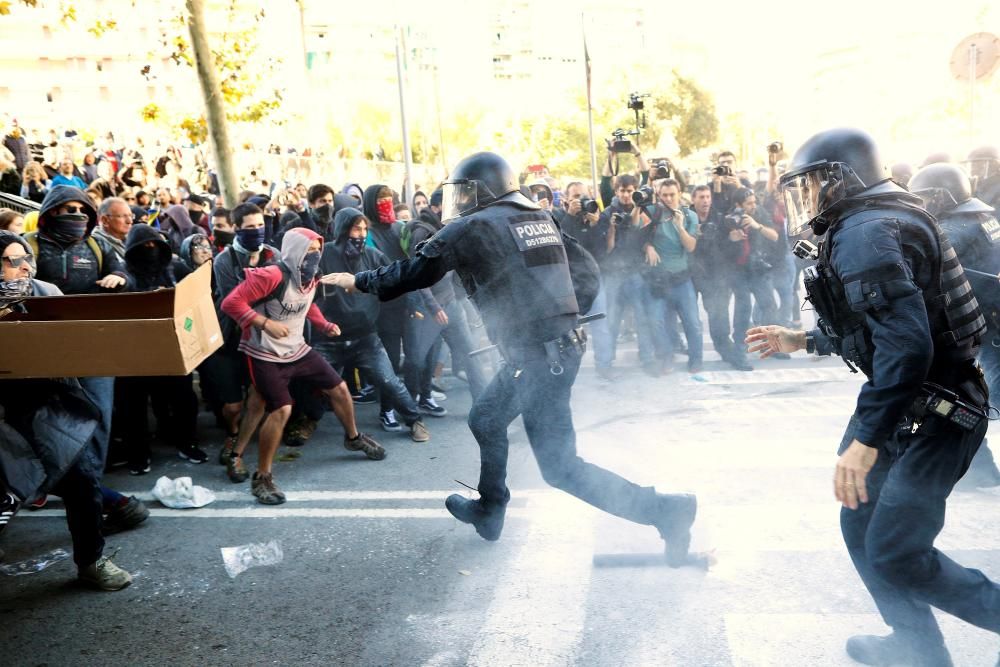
pixel 661 169
pixel 722 170
pixel 734 220
pixel 643 196
pixel 588 205
pixel 774 147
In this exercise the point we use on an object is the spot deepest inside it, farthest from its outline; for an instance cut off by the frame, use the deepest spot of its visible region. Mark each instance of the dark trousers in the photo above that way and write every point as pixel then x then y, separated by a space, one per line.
pixel 984 464
pixel 391 328
pixel 746 284
pixel 891 538
pixel 716 294
pixel 367 354
pixel 80 489
pixel 175 398
pixel 422 347
pixel 542 400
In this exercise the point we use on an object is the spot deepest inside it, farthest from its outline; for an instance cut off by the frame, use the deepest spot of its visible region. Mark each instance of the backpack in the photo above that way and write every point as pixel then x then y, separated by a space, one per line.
pixel 406 236
pixel 279 291
pixel 31 238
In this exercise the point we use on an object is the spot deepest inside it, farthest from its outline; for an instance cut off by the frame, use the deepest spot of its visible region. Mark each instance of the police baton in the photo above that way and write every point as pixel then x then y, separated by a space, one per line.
pixel 984 274
pixel 583 320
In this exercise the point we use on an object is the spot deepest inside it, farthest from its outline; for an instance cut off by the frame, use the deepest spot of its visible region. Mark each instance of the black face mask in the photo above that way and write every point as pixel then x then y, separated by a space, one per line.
pixel 196 216
pixel 67 228
pixel 223 238
pixel 146 260
pixel 309 268
pixel 354 247
pixel 251 239
pixel 323 214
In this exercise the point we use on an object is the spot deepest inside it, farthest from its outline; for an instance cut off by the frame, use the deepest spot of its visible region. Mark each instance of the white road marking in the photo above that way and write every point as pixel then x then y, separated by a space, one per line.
pixel 781 375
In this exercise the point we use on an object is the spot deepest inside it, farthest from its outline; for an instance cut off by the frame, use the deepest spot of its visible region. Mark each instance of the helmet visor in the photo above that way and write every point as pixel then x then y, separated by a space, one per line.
pixel 458 198
pixel 809 192
pixel 936 200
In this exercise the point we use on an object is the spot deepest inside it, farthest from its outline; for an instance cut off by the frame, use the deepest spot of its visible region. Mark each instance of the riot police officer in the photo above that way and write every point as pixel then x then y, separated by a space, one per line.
pixel 974 232
pixel 516 266
pixel 984 168
pixel 892 300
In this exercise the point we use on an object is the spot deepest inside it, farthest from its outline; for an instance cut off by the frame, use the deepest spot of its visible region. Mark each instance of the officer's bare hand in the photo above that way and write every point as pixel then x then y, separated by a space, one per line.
pixel 344 280
pixel 852 470
pixel 111 282
pixel 773 338
pixel 652 257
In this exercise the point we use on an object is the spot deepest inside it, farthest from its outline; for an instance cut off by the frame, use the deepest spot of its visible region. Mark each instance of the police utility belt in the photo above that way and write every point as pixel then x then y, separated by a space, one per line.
pixel 936 401
pixel 572 340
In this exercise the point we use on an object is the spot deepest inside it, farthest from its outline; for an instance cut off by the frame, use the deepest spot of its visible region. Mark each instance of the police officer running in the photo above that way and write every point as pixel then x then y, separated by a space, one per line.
pixel 974 232
pixel 515 264
pixel 892 299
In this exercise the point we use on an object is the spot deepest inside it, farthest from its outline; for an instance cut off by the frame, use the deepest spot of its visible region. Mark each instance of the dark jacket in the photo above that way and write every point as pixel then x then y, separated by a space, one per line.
pixel 227 270
pixel 307 220
pixel 356 313
pixel 75 269
pixel 593 239
pixel 151 273
pixel 440 294
pixel 19 147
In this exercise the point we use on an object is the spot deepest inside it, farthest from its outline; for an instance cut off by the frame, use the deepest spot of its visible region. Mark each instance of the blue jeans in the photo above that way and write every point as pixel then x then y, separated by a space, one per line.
pixel 716 293
pixel 783 282
pixel 625 290
pixel 678 301
pixel 600 330
pixel 891 537
pixel 367 354
pixel 101 391
pixel 747 284
pixel 421 355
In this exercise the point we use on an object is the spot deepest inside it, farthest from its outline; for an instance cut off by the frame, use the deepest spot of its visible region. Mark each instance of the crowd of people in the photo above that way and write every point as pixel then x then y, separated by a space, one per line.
pixel 295 347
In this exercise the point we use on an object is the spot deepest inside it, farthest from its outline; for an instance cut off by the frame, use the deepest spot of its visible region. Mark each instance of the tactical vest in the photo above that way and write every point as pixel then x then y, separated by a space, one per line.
pixel 976 239
pixel 952 310
pixel 513 265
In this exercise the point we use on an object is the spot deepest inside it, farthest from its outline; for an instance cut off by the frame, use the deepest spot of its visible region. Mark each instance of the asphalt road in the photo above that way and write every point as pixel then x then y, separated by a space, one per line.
pixel 375 572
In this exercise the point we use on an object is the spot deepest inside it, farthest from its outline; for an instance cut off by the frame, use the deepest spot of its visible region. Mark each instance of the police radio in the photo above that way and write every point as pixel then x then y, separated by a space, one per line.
pixel 805 250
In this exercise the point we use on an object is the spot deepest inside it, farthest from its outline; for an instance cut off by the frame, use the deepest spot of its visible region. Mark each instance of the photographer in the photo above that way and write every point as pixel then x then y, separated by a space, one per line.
pixel 610 169
pixel 580 218
pixel 756 243
pixel 670 238
pixel 622 268
pixel 726 184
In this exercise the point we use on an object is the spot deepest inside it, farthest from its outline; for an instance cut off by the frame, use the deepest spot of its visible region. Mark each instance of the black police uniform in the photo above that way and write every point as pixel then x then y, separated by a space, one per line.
pixel 513 263
pixel 975 235
pixel 893 300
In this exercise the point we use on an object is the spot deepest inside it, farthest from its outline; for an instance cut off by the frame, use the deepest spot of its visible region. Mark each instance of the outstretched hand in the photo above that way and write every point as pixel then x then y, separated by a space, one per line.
pixel 773 338
pixel 344 280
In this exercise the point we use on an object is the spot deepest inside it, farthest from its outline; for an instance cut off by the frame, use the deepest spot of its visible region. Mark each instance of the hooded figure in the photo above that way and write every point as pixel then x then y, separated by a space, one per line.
pixel 354 191
pixel 385 232
pixel 150 260
pixel 315 219
pixel 21 287
pixel 66 253
pixel 176 225
pixel 355 312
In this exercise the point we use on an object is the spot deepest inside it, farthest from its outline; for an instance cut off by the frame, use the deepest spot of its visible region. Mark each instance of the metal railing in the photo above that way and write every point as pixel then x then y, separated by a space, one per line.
pixel 18 204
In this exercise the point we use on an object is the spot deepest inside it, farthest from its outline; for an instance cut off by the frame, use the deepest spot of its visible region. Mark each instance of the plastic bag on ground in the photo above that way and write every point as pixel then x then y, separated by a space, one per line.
pixel 180 493
pixel 241 558
pixel 33 565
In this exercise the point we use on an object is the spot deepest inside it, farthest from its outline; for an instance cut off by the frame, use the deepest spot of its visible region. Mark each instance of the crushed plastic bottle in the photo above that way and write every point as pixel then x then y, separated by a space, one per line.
pixel 240 559
pixel 33 565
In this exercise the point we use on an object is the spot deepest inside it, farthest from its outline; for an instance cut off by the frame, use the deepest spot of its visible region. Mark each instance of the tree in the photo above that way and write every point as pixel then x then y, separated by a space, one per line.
pixel 689 111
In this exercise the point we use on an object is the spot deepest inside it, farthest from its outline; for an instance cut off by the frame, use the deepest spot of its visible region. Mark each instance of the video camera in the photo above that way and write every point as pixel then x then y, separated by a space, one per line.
pixel 619 144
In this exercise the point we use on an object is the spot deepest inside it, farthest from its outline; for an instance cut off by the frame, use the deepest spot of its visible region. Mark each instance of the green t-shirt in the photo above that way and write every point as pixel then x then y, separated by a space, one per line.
pixel 666 240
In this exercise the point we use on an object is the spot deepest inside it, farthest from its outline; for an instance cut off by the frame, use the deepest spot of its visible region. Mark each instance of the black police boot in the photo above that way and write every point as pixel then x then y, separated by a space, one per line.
pixel 487 518
pixel 896 650
pixel 674 516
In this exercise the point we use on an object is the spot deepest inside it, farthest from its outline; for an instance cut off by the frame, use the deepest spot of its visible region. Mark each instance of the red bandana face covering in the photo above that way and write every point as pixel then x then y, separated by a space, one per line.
pixel 386 214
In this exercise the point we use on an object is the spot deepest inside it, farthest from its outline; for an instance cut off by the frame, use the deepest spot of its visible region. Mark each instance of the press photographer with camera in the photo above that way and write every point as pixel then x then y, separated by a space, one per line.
pixel 758 250
pixel 670 236
pixel 580 217
pixel 619 145
pixel 725 183
pixel 622 266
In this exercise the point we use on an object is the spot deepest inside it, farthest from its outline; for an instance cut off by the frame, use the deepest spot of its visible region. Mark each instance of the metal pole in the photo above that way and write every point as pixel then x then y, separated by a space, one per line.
pixel 590 116
pixel 973 58
pixel 407 155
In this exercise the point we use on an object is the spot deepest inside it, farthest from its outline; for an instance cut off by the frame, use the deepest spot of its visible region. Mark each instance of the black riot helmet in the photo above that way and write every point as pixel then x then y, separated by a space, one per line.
pixel 945 188
pixel 828 168
pixel 478 181
pixel 983 163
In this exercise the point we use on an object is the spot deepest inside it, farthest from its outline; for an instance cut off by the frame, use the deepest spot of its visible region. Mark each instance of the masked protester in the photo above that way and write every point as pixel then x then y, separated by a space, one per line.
pixel 893 300
pixel 323 205
pixel 529 302
pixel 272 306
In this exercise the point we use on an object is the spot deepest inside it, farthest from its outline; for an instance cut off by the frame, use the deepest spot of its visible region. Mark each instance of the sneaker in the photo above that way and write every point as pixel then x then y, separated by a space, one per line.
pixel 235 470
pixel 429 407
pixel 125 516
pixel 39 502
pixel 366 396
pixel 227 448
pixel 192 453
pixel 437 394
pixel 9 504
pixel 365 443
pixel 299 433
pixel 894 650
pixel 139 467
pixel 675 517
pixel 487 519
pixel 389 421
pixel 105 575
pixel 419 432
pixel 265 490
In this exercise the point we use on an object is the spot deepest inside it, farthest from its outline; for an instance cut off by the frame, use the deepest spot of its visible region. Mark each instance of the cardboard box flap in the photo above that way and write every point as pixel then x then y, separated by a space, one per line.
pixel 84 307
pixel 195 320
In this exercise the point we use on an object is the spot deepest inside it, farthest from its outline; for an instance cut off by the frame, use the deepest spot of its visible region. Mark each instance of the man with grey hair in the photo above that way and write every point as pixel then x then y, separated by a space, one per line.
pixel 114 218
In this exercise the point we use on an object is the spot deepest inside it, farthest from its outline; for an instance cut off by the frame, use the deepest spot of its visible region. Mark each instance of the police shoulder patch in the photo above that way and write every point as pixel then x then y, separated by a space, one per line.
pixel 991 228
pixel 533 231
